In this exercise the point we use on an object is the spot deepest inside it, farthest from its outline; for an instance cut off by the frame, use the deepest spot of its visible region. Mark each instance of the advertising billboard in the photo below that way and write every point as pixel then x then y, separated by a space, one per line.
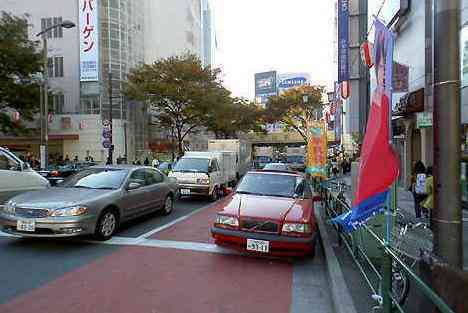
pixel 265 84
pixel 89 40
pixel 291 80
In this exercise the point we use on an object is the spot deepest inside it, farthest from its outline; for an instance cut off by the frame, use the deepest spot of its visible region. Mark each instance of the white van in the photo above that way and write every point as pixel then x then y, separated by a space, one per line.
pixel 205 173
pixel 17 177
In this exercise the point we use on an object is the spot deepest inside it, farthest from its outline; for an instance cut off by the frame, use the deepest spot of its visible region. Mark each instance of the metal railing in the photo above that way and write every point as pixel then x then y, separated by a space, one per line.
pixel 335 203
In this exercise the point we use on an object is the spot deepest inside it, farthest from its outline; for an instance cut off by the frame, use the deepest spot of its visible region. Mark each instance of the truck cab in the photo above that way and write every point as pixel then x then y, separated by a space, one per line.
pixel 199 175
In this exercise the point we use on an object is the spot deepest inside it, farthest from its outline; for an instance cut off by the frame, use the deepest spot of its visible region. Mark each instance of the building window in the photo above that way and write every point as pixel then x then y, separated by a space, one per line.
pixel 90 105
pixel 58 65
pixel 55 67
pixel 58 103
pixel 49 22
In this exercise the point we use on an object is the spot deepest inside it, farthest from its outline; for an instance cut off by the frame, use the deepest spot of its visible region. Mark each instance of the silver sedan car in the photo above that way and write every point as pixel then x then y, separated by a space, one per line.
pixel 93 201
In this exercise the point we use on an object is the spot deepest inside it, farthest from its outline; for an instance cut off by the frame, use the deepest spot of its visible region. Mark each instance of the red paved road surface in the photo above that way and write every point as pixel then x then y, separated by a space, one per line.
pixel 196 228
pixel 156 280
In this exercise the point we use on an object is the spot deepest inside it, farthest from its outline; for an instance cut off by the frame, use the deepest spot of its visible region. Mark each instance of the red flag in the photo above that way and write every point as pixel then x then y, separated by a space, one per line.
pixel 379 165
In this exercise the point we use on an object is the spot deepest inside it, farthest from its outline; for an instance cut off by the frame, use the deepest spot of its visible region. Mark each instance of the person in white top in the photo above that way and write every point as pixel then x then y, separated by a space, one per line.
pixel 155 162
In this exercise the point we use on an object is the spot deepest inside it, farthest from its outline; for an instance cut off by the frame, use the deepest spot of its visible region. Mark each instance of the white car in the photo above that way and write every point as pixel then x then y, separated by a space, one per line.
pixel 17 177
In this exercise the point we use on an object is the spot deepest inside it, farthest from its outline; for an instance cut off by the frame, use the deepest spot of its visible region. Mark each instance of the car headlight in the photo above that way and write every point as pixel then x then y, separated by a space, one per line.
pixel 227 220
pixel 296 228
pixel 70 211
pixel 9 207
pixel 203 181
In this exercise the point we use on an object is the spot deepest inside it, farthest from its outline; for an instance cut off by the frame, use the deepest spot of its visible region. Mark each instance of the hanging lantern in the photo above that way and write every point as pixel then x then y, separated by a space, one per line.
pixel 345 89
pixel 366 53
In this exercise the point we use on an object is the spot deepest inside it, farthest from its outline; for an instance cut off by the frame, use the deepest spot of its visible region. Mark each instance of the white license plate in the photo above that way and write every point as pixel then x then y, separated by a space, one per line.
pixel 185 192
pixel 26 226
pixel 258 245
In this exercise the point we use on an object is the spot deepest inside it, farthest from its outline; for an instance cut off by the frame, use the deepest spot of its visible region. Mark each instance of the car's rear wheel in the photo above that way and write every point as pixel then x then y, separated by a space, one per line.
pixel 106 225
pixel 168 205
pixel 215 194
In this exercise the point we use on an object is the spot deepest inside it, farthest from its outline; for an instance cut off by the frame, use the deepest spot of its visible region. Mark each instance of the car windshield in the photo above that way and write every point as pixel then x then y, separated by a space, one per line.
pixel 268 185
pixel 96 178
pixel 263 159
pixel 295 159
pixel 194 165
pixel 164 166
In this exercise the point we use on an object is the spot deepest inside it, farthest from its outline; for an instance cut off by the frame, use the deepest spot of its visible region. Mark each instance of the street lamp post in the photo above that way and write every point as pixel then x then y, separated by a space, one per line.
pixel 45 89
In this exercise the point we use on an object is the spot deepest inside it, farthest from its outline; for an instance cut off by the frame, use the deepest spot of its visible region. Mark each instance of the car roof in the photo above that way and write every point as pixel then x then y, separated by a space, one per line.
pixel 122 167
pixel 276 172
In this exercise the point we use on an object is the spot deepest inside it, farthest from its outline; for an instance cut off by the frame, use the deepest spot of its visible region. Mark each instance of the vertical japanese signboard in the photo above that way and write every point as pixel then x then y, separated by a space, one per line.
pixel 343 40
pixel 317 150
pixel 89 40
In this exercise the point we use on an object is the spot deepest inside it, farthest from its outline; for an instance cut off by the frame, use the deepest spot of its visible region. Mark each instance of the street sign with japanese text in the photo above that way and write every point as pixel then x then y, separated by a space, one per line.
pixel 106 144
pixel 89 40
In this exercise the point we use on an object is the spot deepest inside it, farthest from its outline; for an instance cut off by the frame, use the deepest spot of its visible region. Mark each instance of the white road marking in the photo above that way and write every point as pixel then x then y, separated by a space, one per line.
pixel 170 244
pixel 177 220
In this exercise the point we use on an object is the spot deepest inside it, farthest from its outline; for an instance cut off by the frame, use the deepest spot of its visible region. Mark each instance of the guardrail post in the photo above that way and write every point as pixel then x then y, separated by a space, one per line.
pixel 386 282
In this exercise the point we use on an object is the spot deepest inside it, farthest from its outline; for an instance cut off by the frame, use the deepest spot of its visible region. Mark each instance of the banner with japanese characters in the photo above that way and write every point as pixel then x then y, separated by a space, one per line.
pixel 89 40
pixel 317 150
pixel 343 40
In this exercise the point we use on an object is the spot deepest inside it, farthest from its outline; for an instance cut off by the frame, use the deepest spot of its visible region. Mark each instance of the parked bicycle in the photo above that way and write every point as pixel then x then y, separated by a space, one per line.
pixel 409 241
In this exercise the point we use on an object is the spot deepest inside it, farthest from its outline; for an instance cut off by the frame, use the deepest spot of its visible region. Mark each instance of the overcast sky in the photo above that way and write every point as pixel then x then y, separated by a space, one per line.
pixel 283 35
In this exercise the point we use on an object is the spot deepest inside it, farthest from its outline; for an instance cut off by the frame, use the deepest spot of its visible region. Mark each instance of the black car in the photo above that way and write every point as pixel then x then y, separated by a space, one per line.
pixel 55 174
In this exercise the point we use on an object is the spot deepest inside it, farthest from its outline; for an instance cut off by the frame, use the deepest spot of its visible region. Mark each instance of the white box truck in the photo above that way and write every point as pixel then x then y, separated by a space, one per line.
pixel 205 173
pixel 295 157
pixel 242 149
pixel 262 156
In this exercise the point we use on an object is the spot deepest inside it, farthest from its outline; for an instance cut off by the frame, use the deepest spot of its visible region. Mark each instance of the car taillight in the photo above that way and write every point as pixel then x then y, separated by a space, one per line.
pixel 55 173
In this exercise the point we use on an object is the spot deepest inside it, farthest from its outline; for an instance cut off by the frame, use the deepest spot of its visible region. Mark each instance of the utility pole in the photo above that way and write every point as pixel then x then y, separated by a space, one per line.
pixel 44 154
pixel 447 203
pixel 110 150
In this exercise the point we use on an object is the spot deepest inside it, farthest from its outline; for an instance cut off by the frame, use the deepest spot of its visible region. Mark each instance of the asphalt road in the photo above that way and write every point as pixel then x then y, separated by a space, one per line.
pixel 157 264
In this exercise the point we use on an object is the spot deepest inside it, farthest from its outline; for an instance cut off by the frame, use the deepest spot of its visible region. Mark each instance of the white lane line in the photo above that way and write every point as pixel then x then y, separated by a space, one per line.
pixel 177 220
pixel 180 245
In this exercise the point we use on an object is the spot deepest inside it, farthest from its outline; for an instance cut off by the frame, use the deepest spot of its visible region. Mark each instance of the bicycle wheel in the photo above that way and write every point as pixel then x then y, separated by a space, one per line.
pixel 400 286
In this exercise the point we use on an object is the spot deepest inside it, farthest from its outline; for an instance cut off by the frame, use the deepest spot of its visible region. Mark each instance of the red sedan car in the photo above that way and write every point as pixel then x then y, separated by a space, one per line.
pixel 271 213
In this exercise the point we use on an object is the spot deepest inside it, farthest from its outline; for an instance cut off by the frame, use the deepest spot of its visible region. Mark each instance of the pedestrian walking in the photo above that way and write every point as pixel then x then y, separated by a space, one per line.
pixel 428 202
pixel 418 180
pixel 155 163
pixel 146 161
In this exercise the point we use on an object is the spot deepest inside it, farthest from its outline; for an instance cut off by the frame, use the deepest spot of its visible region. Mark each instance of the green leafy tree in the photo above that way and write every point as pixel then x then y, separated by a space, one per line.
pixel 180 92
pixel 19 61
pixel 232 116
pixel 292 111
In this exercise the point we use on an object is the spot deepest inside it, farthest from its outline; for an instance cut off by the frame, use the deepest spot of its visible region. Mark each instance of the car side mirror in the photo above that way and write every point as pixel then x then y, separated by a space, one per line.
pixel 133 186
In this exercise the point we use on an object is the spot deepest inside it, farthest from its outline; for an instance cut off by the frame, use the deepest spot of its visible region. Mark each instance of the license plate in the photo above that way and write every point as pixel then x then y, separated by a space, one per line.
pixel 43 174
pixel 258 245
pixel 26 226
pixel 185 192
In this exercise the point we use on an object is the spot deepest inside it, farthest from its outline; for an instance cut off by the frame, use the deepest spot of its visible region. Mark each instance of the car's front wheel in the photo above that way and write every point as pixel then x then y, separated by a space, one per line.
pixel 168 205
pixel 106 225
